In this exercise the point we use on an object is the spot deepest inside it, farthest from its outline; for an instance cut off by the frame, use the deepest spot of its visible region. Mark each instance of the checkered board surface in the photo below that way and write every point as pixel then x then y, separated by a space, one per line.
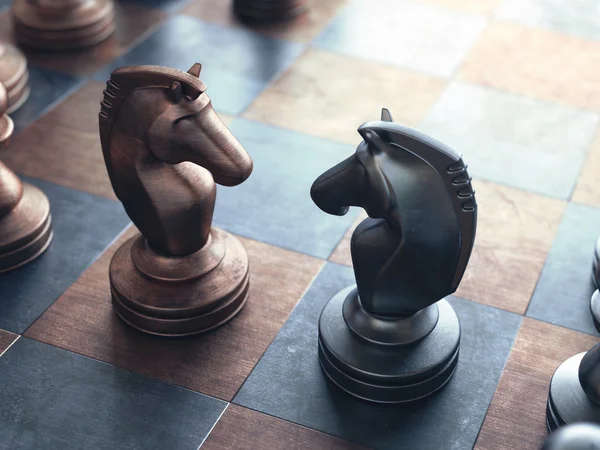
pixel 511 84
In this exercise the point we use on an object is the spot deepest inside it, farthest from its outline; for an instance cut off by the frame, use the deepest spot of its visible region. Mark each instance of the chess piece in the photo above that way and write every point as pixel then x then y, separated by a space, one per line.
pixel 595 309
pixel 62 24
pixel 595 267
pixel 25 221
pixel 394 337
pixel 580 436
pixel 574 394
pixel 164 148
pixel 269 11
pixel 14 76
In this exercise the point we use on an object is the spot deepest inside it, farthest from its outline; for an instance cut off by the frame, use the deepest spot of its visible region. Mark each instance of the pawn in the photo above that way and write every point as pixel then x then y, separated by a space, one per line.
pixel 165 148
pixel 62 24
pixel 574 394
pixel 14 76
pixel 25 222
pixel 580 436
pixel 393 337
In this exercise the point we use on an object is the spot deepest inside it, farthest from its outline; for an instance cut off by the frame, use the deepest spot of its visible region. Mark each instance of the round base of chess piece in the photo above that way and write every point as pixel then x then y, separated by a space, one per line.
pixel 26 231
pixel 595 309
pixel 14 76
pixel 64 24
pixel 580 436
pixel 384 360
pixel 567 401
pixel 595 272
pixel 269 11
pixel 180 296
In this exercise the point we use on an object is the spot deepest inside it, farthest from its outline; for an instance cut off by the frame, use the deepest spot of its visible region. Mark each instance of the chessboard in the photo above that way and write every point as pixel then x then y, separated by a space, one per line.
pixel 510 84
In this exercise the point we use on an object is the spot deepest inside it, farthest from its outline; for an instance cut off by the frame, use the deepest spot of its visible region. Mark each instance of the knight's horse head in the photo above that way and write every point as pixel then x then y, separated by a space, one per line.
pixel 418 189
pixel 167 111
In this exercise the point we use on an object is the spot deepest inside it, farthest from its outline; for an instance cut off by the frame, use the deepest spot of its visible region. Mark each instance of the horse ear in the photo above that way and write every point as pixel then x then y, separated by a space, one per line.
pixel 195 70
pixel 175 92
pixel 386 115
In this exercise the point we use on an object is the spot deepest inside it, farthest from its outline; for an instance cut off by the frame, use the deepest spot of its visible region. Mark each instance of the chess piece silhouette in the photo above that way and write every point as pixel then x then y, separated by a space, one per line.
pixel 62 24
pixel 25 219
pixel 14 75
pixel 574 394
pixel 393 337
pixel 165 148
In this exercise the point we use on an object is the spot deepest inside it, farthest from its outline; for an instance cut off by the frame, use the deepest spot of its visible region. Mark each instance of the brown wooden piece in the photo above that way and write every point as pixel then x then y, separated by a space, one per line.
pixel 25 222
pixel 245 429
pixel 14 75
pixel 269 10
pixel 216 363
pixel 164 148
pixel 62 24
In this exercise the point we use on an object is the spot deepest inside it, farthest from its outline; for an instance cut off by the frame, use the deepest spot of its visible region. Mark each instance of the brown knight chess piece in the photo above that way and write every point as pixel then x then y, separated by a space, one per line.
pixel 25 221
pixel 164 148
pixel 62 24
pixel 14 75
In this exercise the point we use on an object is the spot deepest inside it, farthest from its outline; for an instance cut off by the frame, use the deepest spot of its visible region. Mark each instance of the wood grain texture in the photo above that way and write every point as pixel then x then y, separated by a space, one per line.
pixel 245 429
pixel 64 146
pixel 330 95
pixel 217 363
pixel 515 231
pixel 6 340
pixel 538 63
pixel 516 417
pixel 301 29
pixel 132 23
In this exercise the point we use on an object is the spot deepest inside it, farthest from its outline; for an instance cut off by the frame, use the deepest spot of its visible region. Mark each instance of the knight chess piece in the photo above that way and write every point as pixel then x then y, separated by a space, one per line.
pixel 165 148
pixel 394 337
pixel 25 221
pixel 14 76
pixel 580 436
pixel 62 24
pixel 269 11
pixel 574 394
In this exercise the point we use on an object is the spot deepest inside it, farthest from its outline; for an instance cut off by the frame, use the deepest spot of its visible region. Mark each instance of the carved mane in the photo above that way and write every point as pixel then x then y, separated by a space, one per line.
pixel 126 80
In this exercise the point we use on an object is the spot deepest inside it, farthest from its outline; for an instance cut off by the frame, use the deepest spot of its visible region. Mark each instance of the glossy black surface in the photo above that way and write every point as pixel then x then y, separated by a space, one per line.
pixel 53 399
pixel 581 436
pixel 413 249
pixel 562 294
pixel 47 89
pixel 385 372
pixel 84 225
pixel 273 205
pixel 568 403
pixel 237 64
pixel 289 383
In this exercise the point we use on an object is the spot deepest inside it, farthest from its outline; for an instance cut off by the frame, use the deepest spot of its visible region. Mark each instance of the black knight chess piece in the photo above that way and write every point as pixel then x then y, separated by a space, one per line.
pixel 165 149
pixel 394 337
pixel 574 394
